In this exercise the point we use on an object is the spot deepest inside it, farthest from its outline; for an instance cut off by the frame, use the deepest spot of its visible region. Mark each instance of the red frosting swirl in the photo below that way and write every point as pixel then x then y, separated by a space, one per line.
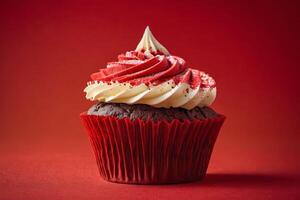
pixel 136 68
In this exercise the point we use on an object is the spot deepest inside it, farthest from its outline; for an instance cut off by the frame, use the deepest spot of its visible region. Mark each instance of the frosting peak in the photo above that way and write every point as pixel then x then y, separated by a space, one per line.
pixel 149 44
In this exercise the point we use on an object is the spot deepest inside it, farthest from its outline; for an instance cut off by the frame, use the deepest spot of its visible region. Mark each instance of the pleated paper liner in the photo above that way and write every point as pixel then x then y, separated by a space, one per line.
pixel 148 152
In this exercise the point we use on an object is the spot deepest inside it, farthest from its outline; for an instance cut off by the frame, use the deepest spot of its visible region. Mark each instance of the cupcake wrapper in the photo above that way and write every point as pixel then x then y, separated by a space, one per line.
pixel 148 152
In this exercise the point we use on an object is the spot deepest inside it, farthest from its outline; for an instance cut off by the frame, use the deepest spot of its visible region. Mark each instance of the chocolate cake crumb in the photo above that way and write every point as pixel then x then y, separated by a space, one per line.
pixel 144 112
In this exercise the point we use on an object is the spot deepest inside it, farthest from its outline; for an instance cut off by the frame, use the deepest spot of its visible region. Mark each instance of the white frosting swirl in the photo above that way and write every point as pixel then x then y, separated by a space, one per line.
pixel 166 95
pixel 150 44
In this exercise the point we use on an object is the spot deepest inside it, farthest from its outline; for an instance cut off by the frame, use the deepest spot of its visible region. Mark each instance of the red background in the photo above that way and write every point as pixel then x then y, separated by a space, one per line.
pixel 48 50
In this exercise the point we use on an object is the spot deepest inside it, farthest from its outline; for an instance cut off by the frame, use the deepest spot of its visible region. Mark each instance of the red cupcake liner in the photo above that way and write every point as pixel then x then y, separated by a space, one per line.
pixel 148 152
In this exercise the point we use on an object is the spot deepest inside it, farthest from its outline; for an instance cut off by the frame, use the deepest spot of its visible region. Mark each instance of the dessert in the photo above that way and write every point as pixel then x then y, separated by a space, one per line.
pixel 152 123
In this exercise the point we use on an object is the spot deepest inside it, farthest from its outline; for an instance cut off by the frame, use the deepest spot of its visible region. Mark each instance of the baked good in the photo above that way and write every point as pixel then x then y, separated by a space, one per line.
pixel 151 123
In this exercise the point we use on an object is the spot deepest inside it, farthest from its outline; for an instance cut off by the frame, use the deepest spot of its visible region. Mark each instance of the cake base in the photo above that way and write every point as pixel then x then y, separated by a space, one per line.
pixel 145 112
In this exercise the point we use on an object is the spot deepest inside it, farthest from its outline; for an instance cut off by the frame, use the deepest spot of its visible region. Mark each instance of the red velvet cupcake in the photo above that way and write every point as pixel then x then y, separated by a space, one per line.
pixel 151 123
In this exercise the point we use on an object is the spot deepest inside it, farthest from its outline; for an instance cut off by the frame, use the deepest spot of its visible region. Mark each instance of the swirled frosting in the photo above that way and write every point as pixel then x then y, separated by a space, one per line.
pixel 150 75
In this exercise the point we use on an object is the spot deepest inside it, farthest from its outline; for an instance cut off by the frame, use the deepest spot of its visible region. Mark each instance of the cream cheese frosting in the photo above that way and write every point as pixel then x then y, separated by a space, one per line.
pixel 150 75
pixel 149 43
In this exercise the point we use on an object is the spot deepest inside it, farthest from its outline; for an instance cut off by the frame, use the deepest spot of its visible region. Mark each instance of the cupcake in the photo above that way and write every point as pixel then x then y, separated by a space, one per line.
pixel 151 122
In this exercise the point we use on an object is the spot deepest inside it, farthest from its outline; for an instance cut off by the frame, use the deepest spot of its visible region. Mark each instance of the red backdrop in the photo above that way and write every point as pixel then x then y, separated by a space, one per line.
pixel 49 49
